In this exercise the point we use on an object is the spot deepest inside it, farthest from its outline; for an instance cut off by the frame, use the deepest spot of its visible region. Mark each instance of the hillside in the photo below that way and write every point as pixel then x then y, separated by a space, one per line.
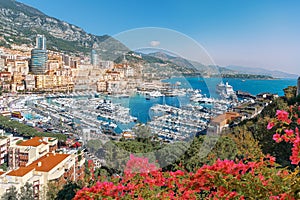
pixel 204 70
pixel 260 71
pixel 20 23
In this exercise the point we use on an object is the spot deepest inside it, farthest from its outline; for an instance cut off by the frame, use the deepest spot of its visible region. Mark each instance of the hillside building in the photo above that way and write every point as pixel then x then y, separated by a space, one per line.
pixel 39 56
pixel 37 161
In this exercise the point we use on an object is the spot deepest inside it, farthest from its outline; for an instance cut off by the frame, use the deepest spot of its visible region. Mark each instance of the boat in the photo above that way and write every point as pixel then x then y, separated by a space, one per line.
pixel 122 95
pixel 155 94
pixel 113 125
pixel 226 91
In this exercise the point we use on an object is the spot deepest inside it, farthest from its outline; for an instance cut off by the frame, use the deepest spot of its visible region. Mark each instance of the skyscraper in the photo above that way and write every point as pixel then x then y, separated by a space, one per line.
pixel 40 42
pixel 94 58
pixel 39 56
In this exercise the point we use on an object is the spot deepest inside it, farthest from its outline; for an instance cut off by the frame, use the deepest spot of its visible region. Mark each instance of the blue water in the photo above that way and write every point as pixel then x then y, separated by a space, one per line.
pixel 139 106
pixel 208 85
pixel 29 116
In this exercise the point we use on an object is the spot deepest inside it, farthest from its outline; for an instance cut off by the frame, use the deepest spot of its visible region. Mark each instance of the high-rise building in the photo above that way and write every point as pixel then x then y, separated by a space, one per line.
pixel 38 61
pixel 40 42
pixel 94 58
pixel 298 86
pixel 39 56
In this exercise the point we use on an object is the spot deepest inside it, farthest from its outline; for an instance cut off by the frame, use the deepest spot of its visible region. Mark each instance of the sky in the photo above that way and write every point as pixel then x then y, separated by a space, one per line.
pixel 252 33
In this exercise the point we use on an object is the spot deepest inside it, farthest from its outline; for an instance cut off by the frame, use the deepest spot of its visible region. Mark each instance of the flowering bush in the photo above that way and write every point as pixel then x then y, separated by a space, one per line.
pixel 225 179
pixel 288 131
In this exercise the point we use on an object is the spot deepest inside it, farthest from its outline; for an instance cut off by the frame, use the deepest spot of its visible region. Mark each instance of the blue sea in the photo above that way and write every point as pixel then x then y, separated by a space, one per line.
pixel 253 86
pixel 139 106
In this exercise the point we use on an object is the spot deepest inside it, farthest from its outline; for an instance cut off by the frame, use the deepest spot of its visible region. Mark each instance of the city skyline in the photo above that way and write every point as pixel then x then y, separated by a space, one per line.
pixel 254 34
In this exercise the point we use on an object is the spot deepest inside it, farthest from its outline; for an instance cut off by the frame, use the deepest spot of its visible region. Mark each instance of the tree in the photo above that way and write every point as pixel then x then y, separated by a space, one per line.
pixel 52 190
pixel 290 92
pixel 11 194
pixel 3 167
pixel 68 191
pixel 143 133
pixel 26 192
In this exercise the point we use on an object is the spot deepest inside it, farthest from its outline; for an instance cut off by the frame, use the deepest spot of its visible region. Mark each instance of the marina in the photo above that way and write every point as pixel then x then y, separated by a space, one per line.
pixel 171 118
pixel 172 114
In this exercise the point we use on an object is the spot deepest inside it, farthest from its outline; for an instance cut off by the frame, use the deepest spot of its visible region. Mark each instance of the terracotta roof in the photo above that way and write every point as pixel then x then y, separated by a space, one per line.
pixel 1 172
pixel 33 142
pixel 219 118
pixel 47 163
pixel 20 171
pixel 226 116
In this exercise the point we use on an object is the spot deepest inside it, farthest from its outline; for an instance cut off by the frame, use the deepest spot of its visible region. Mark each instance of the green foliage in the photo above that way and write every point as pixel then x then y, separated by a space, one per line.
pixel 215 147
pixel 170 154
pixel 290 92
pixel 94 145
pixel 12 126
pixel 115 157
pixel 270 110
pixel 26 192
pixel 79 157
pixel 4 167
pixel 10 194
pixel 68 191
pixel 52 190
pixel 4 44
pixel 253 139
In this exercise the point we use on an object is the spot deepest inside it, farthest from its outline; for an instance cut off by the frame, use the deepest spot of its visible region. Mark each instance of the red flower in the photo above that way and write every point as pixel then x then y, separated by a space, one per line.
pixel 277 137
pixel 283 116
pixel 270 125
pixel 295 157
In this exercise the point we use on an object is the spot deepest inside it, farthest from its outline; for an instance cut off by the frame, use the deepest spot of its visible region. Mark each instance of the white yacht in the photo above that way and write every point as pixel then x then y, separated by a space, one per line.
pixel 225 91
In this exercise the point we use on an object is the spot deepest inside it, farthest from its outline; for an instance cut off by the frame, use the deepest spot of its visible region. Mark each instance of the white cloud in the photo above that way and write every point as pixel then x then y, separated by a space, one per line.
pixel 155 43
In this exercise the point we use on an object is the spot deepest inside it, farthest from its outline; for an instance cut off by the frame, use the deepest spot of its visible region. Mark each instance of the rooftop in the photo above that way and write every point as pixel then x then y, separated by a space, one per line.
pixel 20 171
pixel 43 164
pixel 33 142
pixel 48 162
pixel 225 116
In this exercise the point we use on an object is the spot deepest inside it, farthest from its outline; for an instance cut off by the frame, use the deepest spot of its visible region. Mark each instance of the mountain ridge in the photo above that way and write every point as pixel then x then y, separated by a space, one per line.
pixel 261 71
pixel 231 70
pixel 19 23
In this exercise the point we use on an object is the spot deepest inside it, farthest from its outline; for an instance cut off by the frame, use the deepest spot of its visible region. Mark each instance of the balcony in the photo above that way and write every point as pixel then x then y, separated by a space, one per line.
pixel 22 164
pixel 3 149
pixel 23 157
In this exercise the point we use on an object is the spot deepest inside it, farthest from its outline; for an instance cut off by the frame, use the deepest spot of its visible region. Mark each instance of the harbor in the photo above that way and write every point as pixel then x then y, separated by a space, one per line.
pixel 172 113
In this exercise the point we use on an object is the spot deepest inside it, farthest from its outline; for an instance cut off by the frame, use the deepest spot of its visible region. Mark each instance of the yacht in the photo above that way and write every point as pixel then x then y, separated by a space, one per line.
pixel 225 91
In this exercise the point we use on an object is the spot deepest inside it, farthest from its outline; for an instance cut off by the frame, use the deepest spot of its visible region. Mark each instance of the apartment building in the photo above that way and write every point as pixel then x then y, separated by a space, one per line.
pixel 4 144
pixel 36 161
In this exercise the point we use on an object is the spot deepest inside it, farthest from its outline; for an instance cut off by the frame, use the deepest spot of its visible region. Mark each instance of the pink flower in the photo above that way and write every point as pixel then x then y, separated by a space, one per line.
pixel 295 157
pixel 271 159
pixel 270 125
pixel 289 132
pixel 277 137
pixel 283 116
